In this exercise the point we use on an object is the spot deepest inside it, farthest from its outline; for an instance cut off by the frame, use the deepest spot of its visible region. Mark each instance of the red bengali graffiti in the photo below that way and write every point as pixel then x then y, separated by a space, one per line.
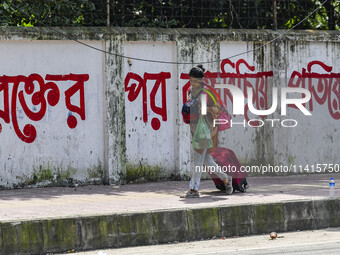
pixel 4 114
pixel 40 93
pixel 241 80
pixel 324 87
pixel 80 80
pixel 134 84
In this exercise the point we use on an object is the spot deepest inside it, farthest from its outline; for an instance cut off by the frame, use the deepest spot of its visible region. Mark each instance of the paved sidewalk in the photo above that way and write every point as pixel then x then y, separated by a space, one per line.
pixel 42 203
pixel 54 220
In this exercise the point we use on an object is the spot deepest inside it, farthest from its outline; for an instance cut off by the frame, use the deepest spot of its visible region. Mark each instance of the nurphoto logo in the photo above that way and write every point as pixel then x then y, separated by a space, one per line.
pixel 238 105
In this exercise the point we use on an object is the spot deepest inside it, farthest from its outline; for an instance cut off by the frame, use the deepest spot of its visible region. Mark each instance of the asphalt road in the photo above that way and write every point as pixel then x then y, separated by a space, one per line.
pixel 326 241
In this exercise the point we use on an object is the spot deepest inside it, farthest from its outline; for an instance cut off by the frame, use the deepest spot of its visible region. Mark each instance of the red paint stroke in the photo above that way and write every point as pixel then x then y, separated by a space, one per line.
pixel 80 80
pixel 4 114
pixel 327 88
pixel 134 89
pixel 324 87
pixel 40 94
pixel 241 80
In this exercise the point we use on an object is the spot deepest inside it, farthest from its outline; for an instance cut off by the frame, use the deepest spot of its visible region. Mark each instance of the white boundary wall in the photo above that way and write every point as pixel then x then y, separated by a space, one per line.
pixel 130 123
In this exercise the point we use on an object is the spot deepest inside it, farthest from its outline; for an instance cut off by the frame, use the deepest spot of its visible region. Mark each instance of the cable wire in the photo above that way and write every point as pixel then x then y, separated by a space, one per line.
pixel 166 62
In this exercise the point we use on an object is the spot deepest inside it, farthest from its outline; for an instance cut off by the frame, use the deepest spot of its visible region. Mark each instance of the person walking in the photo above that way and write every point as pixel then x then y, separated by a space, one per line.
pixel 202 156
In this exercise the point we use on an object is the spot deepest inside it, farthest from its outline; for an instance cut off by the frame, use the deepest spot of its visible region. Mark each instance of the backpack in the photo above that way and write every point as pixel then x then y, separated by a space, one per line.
pixel 225 116
pixel 190 110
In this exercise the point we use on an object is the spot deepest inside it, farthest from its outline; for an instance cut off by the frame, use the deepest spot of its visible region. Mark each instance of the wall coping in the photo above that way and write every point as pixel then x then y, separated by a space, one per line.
pixel 162 34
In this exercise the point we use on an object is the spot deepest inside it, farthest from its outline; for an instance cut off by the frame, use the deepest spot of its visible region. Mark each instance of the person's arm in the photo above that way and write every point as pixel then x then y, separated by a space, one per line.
pixel 214 111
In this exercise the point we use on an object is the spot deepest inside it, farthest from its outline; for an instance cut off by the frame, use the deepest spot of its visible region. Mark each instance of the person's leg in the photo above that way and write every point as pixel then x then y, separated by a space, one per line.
pixel 227 179
pixel 208 161
pixel 197 171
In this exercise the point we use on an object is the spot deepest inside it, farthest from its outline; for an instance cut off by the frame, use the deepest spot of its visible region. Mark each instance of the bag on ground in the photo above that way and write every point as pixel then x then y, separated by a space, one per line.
pixel 230 165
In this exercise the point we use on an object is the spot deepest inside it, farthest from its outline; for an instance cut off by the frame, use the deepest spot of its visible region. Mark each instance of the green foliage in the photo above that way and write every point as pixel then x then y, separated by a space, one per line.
pixel 143 172
pixel 49 12
pixel 95 172
pixel 46 173
pixel 251 14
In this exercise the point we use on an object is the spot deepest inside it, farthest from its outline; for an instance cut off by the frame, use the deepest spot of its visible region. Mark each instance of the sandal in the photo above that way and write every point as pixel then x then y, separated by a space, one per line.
pixel 191 194
pixel 229 186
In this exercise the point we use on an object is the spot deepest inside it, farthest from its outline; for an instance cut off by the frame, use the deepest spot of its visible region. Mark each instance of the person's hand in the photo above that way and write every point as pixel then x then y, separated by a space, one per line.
pixel 215 109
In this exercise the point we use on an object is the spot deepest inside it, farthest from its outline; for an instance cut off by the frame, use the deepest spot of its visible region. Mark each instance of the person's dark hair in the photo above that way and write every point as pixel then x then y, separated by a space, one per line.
pixel 197 72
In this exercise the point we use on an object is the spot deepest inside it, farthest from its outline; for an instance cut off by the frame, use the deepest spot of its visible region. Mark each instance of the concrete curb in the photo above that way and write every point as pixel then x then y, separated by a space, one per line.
pixel 145 228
